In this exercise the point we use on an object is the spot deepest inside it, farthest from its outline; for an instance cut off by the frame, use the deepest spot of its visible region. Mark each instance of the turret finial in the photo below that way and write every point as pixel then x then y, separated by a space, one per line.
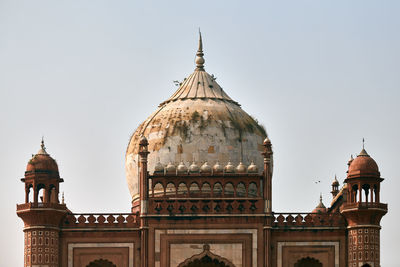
pixel 42 150
pixel 363 142
pixel 199 55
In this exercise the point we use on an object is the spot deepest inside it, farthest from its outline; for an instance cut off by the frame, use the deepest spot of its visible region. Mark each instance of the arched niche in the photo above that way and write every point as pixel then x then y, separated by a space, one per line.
pixel 206 259
pixel 308 262
pixel 101 263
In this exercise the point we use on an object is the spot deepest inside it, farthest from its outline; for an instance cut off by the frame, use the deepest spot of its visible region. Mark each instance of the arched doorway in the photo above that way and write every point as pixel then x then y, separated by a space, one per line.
pixel 206 259
pixel 308 262
pixel 101 263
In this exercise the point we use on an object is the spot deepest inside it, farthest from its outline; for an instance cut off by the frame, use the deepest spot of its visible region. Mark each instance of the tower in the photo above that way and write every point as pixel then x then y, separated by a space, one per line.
pixel 335 187
pixel 42 213
pixel 363 211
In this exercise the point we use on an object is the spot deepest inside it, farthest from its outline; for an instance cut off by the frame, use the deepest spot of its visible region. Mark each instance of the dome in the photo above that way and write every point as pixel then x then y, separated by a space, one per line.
pixel 205 168
pixel 229 168
pixel 170 169
pixel 194 167
pixel 363 165
pixel 320 208
pixel 241 168
pixel 335 182
pixel 182 168
pixel 198 121
pixel 42 162
pixel 217 168
pixel 252 168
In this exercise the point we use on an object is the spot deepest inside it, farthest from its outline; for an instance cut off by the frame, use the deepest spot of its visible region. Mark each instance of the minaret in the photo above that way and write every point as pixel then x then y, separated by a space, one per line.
pixel 267 194
pixel 42 213
pixel 144 200
pixel 363 211
pixel 335 187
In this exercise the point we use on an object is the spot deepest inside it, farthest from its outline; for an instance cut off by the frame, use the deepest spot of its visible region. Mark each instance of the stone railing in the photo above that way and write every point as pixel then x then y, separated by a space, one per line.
pixel 285 220
pixel 118 220
pixel 196 206
pixel 31 205
pixel 364 205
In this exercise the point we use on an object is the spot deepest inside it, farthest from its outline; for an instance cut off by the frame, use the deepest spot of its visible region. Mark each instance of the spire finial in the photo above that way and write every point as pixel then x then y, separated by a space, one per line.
pixel 320 197
pixel 199 55
pixel 363 142
pixel 42 150
pixel 62 199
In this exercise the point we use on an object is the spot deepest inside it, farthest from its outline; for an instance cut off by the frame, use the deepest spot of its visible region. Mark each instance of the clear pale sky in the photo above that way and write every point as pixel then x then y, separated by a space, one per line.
pixel 319 75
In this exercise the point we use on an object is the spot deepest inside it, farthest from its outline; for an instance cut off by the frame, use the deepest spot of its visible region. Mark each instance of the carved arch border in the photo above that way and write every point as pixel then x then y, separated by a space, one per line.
pixel 206 252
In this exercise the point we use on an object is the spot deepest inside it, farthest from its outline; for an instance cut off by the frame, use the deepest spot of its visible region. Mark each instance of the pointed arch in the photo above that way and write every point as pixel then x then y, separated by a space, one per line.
pixel 308 262
pixel 206 259
pixel 101 263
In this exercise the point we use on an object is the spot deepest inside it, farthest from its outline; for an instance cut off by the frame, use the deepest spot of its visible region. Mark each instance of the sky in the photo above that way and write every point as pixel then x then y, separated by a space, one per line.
pixel 319 75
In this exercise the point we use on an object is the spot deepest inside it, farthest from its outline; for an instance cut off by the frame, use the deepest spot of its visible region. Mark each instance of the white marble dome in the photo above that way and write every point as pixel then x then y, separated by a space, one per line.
pixel 200 123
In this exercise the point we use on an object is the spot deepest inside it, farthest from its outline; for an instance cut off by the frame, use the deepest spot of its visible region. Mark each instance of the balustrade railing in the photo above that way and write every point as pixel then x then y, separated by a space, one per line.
pixel 364 205
pixel 100 220
pixel 308 220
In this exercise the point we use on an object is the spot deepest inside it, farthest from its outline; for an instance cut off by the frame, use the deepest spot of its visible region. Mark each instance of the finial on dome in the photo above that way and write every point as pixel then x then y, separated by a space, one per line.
pixel 42 150
pixel 363 142
pixel 62 198
pixel 363 151
pixel 199 55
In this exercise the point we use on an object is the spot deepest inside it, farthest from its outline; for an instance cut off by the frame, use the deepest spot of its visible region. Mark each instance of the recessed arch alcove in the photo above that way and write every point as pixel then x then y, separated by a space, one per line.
pixel 101 263
pixel 206 259
pixel 308 262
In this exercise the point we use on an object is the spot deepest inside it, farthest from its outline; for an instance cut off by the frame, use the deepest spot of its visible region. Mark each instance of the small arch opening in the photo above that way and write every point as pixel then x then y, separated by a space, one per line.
pixel 229 190
pixel 206 189
pixel 194 189
pixel 241 190
pixel 158 190
pixel 182 189
pixel 217 189
pixel 253 190
pixel 170 190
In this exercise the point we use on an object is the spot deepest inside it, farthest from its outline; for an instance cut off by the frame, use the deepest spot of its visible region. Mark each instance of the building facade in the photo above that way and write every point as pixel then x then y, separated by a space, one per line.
pixel 199 171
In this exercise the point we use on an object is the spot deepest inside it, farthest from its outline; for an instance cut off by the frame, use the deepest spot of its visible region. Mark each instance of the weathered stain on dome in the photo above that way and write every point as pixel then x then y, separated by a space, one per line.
pixel 199 122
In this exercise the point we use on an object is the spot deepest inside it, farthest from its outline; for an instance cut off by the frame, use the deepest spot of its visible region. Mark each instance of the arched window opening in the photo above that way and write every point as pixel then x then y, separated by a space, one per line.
pixel 206 189
pixel 29 194
pixel 366 265
pixel 366 188
pixel 101 263
pixel 217 189
pixel 158 190
pixel 253 191
pixel 354 193
pixel 194 189
pixel 40 193
pixel 308 262
pixel 241 190
pixel 229 190
pixel 182 189
pixel 170 190
pixel 53 194
pixel 376 193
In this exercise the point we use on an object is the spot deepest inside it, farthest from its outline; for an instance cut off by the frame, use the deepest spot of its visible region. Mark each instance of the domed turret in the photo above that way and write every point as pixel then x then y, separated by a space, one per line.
pixel 205 168
pixel 158 168
pixel 170 169
pixel 363 165
pixel 199 120
pixel 252 168
pixel 182 168
pixel 194 168
pixel 229 168
pixel 241 168
pixel 217 168
pixel 42 162
pixel 321 207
